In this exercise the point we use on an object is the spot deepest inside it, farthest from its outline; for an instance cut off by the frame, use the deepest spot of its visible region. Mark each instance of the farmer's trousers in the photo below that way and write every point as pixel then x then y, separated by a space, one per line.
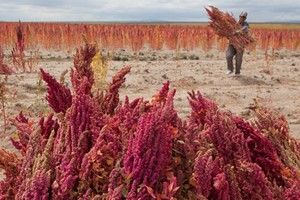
pixel 230 53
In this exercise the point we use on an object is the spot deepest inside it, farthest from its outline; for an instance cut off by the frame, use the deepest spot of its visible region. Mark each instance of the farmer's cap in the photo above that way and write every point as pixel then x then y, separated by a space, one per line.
pixel 244 14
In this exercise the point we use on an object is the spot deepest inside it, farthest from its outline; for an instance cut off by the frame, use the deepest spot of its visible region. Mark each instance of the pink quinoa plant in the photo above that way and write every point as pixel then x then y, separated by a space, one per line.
pixel 82 63
pixel 59 96
pixel 149 152
pixel 93 146
pixel 237 161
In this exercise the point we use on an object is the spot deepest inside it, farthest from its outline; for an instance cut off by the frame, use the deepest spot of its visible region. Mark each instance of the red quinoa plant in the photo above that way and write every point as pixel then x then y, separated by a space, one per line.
pixel 20 62
pixel 4 69
pixel 93 146
pixel 18 52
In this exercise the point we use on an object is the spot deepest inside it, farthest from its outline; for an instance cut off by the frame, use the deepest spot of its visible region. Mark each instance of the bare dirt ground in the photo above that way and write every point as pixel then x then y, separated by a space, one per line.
pixel 276 83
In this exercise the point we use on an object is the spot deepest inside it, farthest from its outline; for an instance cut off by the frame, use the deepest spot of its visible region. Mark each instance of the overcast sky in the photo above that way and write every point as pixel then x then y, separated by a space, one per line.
pixel 142 10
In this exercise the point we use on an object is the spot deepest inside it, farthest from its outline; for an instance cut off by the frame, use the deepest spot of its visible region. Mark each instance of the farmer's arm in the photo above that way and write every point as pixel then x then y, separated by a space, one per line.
pixel 244 29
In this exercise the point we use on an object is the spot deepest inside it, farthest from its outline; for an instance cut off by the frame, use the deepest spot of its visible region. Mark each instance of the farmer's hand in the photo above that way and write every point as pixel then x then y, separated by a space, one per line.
pixel 236 32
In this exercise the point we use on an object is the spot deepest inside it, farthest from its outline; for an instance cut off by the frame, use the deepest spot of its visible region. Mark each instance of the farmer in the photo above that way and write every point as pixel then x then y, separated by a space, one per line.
pixel 231 51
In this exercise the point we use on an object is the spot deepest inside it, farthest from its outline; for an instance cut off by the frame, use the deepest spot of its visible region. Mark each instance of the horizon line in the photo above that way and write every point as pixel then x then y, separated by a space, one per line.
pixel 147 22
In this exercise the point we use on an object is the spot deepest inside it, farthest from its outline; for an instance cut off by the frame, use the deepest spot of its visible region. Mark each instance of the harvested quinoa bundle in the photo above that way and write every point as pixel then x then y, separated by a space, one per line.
pixel 224 25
